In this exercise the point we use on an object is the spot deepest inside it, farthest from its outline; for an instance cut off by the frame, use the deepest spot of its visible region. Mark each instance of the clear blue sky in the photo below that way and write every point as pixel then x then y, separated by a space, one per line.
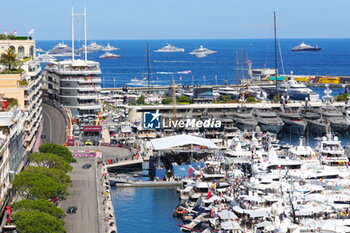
pixel 180 19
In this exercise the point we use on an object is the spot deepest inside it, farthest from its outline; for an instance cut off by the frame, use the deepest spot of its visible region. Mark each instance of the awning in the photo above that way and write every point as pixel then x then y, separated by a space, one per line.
pixel 181 140
pixel 225 214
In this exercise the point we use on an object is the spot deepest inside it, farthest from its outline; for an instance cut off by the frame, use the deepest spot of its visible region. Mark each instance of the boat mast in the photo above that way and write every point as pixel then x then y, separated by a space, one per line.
pixel 242 63
pixel 85 35
pixel 72 34
pixel 174 100
pixel 237 66
pixel 275 32
pixel 148 69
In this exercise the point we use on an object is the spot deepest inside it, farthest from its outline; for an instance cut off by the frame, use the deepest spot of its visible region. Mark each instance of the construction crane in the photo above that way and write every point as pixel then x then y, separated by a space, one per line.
pixel 98 99
pixel 174 100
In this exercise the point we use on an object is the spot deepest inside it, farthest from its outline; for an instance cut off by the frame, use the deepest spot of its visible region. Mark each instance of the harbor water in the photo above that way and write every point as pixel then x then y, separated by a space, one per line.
pixel 145 210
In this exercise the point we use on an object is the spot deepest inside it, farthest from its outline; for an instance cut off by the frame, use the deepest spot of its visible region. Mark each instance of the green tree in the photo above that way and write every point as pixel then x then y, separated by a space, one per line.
pixel 251 99
pixel 34 185
pixel 9 59
pixel 276 98
pixel 226 99
pixel 50 160
pixel 342 97
pixel 167 100
pixel 184 99
pixel 59 150
pixel 37 222
pixel 141 100
pixel 39 205
pixel 58 175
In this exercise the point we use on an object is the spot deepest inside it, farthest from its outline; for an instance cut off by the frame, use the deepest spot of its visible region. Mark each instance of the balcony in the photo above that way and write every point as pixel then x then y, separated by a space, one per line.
pixel 32 68
pixel 82 79
pixel 74 71
pixel 89 88
pixel 87 96
pixel 33 92
pixel 34 101
pixel 32 121
pixel 89 106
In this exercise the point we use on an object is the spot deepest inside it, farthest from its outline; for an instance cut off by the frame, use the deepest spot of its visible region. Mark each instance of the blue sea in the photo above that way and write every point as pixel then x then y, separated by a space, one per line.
pixel 149 210
pixel 219 68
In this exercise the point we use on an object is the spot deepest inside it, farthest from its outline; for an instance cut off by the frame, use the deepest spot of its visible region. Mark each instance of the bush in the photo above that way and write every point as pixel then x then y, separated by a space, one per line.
pixel 225 99
pixel 276 98
pixel 184 99
pixel 342 97
pixel 23 83
pixel 167 100
pixel 251 99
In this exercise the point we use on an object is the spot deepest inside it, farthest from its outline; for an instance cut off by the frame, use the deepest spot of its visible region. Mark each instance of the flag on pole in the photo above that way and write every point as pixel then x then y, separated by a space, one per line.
pixel 190 172
pixel 31 32
pixel 14 33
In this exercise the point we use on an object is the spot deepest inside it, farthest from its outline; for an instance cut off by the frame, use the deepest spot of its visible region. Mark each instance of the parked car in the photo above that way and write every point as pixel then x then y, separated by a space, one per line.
pixel 86 166
pixel 88 142
pixel 72 210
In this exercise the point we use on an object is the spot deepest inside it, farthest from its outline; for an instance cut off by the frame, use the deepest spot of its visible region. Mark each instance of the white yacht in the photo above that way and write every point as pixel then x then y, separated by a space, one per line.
pixel 202 51
pixel 39 51
pixel 93 47
pixel 109 55
pixel 302 151
pixel 109 48
pixel 331 150
pixel 60 50
pixel 201 55
pixel 169 49
pixel 45 58
pixel 230 91
pixel 305 47
pixel 295 90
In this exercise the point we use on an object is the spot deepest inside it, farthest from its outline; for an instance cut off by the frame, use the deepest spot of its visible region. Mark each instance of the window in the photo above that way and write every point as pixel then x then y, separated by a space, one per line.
pixel 31 51
pixel 12 48
pixel 21 51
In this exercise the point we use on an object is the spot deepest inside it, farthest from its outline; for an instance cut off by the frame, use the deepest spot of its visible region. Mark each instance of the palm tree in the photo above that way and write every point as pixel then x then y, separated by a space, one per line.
pixel 9 59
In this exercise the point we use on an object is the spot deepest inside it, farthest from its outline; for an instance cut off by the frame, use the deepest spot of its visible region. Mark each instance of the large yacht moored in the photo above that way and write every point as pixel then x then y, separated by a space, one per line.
pixel 268 120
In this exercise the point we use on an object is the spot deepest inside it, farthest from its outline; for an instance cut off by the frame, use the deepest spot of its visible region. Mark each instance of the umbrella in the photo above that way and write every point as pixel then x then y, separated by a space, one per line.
pixel 229 225
pixel 225 214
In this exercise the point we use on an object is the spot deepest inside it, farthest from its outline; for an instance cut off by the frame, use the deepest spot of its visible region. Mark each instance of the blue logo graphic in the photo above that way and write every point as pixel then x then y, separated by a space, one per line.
pixel 151 120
